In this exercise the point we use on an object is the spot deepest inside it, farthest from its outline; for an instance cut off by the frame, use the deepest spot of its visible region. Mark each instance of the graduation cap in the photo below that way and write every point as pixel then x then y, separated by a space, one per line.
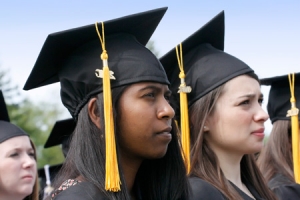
pixel 284 104
pixel 61 132
pixel 279 96
pixel 3 110
pixel 72 57
pixel 203 66
pixel 205 63
pixel 7 129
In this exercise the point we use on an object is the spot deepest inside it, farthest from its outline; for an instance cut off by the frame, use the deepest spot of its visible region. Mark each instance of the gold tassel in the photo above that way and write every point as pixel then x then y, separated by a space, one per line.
pixel 184 115
pixel 112 176
pixel 295 129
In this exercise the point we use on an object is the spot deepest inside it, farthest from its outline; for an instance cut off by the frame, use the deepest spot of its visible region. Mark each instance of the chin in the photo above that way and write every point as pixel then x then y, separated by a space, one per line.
pixel 257 149
pixel 26 190
pixel 158 154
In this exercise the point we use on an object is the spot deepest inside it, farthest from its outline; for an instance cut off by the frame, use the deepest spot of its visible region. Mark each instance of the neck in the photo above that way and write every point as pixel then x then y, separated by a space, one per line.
pixel 130 166
pixel 10 197
pixel 231 166
pixel 230 163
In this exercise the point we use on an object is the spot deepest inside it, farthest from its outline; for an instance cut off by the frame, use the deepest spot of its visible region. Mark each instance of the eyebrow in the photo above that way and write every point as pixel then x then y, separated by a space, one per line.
pixel 252 95
pixel 20 149
pixel 168 92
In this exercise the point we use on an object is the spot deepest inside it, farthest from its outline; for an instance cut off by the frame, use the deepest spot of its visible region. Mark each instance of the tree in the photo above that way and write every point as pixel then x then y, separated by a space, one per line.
pixel 6 86
pixel 151 46
pixel 35 119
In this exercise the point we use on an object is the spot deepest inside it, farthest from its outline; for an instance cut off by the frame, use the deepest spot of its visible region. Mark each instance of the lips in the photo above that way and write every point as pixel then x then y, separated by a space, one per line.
pixel 27 177
pixel 165 134
pixel 259 132
pixel 166 130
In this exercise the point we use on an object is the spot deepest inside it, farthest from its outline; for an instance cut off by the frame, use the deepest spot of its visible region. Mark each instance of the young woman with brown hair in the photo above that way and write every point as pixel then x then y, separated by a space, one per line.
pixel 226 120
pixel 18 172
pixel 276 160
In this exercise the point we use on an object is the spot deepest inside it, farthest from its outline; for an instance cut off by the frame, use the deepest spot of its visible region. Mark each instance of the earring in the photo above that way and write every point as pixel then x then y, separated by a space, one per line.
pixel 205 128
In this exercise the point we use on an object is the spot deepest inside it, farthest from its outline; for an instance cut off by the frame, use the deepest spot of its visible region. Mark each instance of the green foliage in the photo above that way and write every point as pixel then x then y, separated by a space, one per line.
pixel 6 87
pixel 35 119
pixel 151 46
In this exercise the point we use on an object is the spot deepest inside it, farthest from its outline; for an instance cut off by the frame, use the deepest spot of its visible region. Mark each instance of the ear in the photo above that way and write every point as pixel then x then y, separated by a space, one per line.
pixel 206 128
pixel 207 125
pixel 93 111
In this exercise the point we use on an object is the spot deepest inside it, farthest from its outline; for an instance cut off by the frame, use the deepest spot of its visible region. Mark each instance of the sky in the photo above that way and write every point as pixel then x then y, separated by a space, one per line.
pixel 264 34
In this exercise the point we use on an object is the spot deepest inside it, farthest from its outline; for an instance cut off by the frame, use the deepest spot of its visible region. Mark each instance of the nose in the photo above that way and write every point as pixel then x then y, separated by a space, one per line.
pixel 261 115
pixel 29 161
pixel 165 110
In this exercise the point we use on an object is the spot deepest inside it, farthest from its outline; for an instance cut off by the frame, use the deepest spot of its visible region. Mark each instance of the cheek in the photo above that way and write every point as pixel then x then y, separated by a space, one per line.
pixel 228 124
pixel 132 117
pixel 8 169
pixel 235 119
pixel 243 118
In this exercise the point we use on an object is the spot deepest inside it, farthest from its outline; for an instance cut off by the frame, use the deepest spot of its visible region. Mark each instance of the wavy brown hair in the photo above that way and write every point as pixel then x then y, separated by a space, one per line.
pixel 35 192
pixel 276 157
pixel 204 162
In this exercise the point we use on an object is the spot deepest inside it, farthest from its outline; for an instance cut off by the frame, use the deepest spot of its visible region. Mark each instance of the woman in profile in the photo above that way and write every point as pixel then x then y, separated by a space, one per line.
pixel 145 154
pixel 226 120
pixel 275 160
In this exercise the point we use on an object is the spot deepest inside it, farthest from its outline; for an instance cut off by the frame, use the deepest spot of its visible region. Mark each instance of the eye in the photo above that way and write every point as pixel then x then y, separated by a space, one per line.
pixel 13 154
pixel 260 101
pixel 151 94
pixel 246 102
pixel 168 97
pixel 31 154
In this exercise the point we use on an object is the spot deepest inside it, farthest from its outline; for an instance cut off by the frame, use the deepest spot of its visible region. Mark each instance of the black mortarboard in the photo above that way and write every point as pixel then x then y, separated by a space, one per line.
pixel 7 129
pixel 3 110
pixel 279 96
pixel 72 56
pixel 205 63
pixel 61 131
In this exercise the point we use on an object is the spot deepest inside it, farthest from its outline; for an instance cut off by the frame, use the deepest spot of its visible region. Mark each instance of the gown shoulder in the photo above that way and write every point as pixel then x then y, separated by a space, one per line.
pixel 284 188
pixel 201 189
pixel 82 190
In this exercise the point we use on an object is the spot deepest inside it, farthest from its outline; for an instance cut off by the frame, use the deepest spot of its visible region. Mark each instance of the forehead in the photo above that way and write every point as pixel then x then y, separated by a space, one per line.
pixel 241 85
pixel 15 142
pixel 141 85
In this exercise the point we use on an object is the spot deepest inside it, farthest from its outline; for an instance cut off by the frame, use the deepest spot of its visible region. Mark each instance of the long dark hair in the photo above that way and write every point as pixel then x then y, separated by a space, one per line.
pixel 276 156
pixel 204 162
pixel 156 179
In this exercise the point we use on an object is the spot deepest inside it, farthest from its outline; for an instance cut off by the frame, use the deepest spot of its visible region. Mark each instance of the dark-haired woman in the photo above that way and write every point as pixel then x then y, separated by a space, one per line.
pixel 276 160
pixel 149 159
pixel 226 119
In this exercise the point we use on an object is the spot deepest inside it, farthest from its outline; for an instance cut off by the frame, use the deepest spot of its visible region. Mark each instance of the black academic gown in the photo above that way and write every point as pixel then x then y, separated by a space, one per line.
pixel 80 191
pixel 86 191
pixel 283 188
pixel 200 189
